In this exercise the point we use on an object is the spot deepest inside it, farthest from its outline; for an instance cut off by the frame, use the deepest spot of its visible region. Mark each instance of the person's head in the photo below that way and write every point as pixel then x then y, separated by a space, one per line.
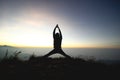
pixel 57 34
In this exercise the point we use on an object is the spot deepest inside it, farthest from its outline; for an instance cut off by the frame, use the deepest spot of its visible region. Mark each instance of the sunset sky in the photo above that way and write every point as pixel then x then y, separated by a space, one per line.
pixel 84 23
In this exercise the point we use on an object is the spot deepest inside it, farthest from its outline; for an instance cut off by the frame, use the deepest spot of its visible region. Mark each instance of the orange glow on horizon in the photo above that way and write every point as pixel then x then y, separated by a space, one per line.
pixel 63 46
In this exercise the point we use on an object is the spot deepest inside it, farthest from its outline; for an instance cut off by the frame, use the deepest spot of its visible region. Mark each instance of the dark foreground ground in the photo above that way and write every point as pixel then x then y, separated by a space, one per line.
pixel 38 68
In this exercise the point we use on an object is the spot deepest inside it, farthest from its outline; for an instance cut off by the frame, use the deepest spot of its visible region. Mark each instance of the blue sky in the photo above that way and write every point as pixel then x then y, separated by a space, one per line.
pixel 84 23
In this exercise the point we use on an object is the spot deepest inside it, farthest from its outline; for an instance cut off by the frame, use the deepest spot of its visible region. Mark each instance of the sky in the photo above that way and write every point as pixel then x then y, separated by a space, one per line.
pixel 84 23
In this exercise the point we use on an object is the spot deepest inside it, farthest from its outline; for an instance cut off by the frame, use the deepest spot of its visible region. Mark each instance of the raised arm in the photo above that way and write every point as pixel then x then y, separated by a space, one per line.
pixel 54 31
pixel 60 32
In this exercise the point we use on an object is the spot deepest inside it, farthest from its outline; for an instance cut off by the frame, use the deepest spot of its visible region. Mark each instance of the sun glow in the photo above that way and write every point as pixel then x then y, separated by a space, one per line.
pixel 31 30
pixel 27 36
pixel 32 26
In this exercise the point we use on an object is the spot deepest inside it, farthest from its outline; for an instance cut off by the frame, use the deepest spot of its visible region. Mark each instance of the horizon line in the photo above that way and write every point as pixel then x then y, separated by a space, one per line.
pixel 63 46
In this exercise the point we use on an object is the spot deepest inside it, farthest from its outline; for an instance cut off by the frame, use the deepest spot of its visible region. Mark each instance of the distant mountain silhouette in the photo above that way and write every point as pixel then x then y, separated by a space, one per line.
pixel 5 46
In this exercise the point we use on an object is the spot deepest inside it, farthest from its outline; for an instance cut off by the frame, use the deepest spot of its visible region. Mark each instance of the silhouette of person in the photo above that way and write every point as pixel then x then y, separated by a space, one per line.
pixel 57 43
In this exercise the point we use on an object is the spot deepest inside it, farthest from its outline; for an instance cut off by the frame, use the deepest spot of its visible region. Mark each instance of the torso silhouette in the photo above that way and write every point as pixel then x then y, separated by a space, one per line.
pixel 57 39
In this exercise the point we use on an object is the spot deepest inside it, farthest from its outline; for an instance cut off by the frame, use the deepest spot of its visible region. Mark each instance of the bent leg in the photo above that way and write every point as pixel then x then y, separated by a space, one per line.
pixel 64 54
pixel 50 53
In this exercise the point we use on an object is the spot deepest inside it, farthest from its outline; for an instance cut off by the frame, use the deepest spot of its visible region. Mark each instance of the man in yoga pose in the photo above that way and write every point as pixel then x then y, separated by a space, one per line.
pixel 57 43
